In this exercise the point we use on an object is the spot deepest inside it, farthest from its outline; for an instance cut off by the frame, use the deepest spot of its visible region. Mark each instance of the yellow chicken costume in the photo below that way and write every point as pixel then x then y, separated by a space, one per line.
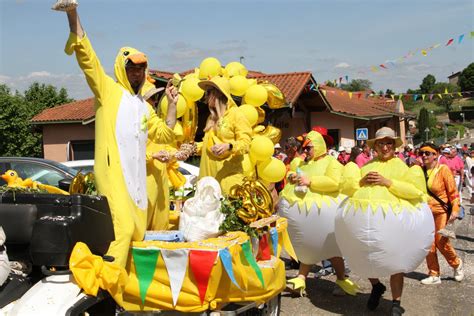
pixel 383 231
pixel 123 124
pixel 232 128
pixel 311 215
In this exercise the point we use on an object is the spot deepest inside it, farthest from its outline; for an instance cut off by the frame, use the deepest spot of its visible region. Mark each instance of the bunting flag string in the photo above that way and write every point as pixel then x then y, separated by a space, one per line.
pixel 400 96
pixel 263 249
pixel 387 65
pixel 274 239
pixel 226 260
pixel 251 261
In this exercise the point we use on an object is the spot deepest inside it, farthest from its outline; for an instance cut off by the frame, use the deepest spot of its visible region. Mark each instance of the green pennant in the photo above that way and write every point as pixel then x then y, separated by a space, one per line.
pixel 251 260
pixel 145 264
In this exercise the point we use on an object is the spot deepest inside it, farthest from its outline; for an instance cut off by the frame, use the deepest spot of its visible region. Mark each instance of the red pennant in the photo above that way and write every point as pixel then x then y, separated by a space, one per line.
pixel 359 95
pixel 201 263
pixel 450 42
pixel 383 66
pixel 263 249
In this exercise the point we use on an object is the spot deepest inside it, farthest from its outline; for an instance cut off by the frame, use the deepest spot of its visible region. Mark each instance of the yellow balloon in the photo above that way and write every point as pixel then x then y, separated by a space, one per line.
pixel 181 106
pixel 248 166
pixel 250 113
pixel 210 67
pixel 238 85
pixel 256 95
pixel 261 148
pixel 271 170
pixel 191 89
pixel 235 69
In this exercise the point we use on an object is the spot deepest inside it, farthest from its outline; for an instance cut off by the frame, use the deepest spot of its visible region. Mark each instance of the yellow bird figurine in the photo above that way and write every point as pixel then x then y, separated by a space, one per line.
pixel 14 181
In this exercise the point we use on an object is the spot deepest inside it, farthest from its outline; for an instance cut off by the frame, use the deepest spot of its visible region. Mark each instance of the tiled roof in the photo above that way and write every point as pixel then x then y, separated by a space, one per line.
pixel 81 110
pixel 363 106
pixel 291 84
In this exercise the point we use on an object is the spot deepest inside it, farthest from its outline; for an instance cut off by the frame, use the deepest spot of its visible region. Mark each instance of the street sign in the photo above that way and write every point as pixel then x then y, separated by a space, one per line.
pixel 362 133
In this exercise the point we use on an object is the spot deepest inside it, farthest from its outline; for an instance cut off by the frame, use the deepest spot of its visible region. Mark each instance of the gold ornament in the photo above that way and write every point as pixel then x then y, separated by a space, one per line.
pixel 256 200
pixel 273 133
pixel 276 98
pixel 78 184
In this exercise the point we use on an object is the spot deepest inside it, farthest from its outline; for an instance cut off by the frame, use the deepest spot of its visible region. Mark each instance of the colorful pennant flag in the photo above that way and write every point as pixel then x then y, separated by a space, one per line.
pixel 176 262
pixel 450 42
pixel 350 95
pixel 440 96
pixel 251 261
pixel 347 78
pixel 288 246
pixel 431 97
pixel 145 264
pixel 424 52
pixel 359 95
pixel 383 66
pixel 263 249
pixel 324 92
pixel 201 263
pixel 415 96
pixel 461 37
pixel 373 69
pixel 226 260
pixel 445 90
pixel 423 97
pixel 471 34
pixel 274 239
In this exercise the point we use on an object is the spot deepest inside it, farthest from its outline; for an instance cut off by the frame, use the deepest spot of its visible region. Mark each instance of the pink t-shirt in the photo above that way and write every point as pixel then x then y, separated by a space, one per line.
pixel 455 164
pixel 362 159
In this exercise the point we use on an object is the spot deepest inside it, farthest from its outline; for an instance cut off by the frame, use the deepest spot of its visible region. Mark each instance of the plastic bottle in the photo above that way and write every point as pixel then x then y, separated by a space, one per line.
pixel 300 188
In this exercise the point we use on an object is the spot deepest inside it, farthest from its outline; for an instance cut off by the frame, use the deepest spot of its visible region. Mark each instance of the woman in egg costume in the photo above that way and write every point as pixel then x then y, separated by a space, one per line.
pixel 309 201
pixel 385 227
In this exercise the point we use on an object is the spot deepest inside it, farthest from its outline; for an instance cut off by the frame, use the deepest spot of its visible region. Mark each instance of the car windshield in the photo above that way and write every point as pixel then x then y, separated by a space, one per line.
pixel 64 168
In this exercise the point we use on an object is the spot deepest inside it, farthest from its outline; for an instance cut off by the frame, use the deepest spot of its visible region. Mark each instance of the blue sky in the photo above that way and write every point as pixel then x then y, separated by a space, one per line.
pixel 330 38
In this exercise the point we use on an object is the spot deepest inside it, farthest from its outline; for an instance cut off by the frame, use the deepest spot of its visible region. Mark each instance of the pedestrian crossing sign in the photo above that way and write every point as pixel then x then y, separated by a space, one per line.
pixel 362 133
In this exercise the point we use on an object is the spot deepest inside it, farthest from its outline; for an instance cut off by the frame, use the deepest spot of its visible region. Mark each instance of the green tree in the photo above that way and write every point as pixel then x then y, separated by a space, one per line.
pixel 330 83
pixel 427 84
pixel 466 78
pixel 447 100
pixel 18 136
pixel 357 85
pixel 423 121
pixel 389 92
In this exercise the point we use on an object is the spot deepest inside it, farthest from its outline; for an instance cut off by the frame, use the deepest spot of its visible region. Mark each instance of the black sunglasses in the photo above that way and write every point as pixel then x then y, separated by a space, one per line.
pixel 425 153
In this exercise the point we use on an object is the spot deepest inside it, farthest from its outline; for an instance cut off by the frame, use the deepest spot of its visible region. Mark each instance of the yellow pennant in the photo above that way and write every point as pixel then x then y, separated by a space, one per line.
pixel 393 97
pixel 423 97
pixel 350 95
pixel 288 246
pixel 373 69
pixel 424 52
pixel 440 95
pixel 460 94
pixel 445 90
pixel 324 92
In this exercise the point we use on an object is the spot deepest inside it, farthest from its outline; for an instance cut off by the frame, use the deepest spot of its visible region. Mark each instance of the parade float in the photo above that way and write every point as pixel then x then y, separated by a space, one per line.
pixel 233 267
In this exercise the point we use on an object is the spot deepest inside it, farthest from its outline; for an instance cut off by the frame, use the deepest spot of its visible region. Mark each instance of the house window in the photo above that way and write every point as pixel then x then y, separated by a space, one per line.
pixel 82 149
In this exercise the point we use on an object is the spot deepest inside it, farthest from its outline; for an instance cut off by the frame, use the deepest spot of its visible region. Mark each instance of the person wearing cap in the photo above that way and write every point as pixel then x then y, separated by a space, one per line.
pixel 123 123
pixel 227 136
pixel 343 156
pixel 440 182
pixel 385 227
pixel 309 201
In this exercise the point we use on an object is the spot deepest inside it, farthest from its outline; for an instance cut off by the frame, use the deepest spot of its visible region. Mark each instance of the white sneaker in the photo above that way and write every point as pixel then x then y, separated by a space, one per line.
pixel 431 280
pixel 459 272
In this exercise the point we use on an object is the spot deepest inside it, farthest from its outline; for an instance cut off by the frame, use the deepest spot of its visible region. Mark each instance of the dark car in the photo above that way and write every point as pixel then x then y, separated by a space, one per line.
pixel 41 170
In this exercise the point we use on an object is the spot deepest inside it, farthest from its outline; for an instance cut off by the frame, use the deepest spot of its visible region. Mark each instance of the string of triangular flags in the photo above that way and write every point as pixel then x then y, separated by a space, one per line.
pixel 392 63
pixel 201 263
pixel 399 96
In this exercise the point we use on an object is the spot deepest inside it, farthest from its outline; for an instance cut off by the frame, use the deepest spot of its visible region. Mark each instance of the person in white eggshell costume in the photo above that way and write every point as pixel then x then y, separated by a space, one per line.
pixel 385 227
pixel 309 201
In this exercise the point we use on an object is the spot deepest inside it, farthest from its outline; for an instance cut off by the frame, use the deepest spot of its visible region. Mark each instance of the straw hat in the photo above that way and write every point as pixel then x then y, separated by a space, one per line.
pixel 385 132
pixel 151 93
pixel 219 83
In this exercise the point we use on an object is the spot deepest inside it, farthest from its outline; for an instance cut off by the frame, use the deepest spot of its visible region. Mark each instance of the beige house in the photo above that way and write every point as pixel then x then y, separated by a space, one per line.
pixel 68 130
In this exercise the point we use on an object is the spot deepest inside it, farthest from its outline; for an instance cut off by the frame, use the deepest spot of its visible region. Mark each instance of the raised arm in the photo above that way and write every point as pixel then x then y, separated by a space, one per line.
pixel 75 25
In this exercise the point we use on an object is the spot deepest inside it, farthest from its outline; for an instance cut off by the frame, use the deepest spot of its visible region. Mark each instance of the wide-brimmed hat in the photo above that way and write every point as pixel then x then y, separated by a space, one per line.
pixel 219 83
pixel 151 93
pixel 385 132
pixel 324 132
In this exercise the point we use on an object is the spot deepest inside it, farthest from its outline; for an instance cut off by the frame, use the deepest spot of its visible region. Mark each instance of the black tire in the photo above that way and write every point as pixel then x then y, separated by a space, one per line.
pixel 271 308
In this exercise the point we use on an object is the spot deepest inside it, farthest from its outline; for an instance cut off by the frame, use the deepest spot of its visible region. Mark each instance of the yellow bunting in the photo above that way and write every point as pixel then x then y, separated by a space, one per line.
pixel 424 52
pixel 445 90
pixel 423 97
pixel 350 95
pixel 373 69
pixel 393 97
pixel 324 92
pixel 440 96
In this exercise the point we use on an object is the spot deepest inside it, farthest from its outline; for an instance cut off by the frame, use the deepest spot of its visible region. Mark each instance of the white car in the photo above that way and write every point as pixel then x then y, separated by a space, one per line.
pixel 189 171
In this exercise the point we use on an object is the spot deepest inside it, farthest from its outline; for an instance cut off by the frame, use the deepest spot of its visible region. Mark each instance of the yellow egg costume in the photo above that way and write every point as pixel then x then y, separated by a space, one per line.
pixel 123 122
pixel 311 215
pixel 232 128
pixel 383 231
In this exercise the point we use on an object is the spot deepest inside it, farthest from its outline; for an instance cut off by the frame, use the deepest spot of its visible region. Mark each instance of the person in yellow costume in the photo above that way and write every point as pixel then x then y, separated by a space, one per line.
pixel 385 227
pixel 123 122
pixel 157 170
pixel 309 202
pixel 227 136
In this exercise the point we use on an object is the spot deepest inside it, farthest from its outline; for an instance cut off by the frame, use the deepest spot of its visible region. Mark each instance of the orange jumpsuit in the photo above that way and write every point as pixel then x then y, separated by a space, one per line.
pixel 441 183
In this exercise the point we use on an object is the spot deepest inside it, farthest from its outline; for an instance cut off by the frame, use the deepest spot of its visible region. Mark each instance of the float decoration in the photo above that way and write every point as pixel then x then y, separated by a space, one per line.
pixel 176 262
pixel 201 263
pixel 17 184
pixel 145 262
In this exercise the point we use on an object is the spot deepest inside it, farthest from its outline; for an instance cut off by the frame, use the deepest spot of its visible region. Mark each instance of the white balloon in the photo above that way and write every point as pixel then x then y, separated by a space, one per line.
pixel 311 232
pixel 378 244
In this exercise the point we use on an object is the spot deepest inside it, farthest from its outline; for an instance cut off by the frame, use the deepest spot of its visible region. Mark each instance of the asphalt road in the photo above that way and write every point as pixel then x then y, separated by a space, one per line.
pixel 448 298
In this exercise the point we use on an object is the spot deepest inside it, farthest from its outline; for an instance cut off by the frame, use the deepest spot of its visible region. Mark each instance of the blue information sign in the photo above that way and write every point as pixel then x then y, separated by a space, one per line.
pixel 362 133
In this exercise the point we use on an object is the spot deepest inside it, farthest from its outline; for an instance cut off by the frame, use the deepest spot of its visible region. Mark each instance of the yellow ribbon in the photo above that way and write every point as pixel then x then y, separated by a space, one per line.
pixel 176 178
pixel 91 272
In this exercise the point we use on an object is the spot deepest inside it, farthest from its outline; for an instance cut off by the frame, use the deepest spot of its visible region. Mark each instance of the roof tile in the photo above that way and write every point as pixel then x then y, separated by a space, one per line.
pixel 75 111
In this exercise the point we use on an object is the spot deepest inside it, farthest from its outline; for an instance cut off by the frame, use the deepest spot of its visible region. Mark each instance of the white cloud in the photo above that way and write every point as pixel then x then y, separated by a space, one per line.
pixel 342 65
pixel 38 74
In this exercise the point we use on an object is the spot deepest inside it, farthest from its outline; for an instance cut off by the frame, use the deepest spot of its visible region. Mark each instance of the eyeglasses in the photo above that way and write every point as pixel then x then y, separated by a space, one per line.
pixel 425 153
pixel 388 144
